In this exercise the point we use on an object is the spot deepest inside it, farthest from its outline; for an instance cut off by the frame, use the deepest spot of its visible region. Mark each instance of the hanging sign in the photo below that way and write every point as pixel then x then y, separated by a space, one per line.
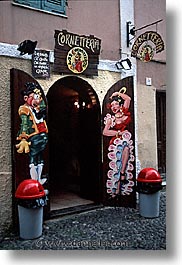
pixel 76 53
pixel 146 45
pixel 40 64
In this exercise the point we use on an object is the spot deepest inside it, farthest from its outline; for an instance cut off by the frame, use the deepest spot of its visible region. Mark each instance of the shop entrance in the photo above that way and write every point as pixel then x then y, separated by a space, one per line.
pixel 74 144
pixel 161 130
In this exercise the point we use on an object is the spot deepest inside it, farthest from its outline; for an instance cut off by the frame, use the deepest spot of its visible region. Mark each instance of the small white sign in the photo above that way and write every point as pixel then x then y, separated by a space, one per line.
pixel 148 81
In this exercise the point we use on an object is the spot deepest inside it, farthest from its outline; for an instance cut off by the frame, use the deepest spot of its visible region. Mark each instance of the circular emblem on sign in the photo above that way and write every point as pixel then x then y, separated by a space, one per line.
pixel 146 53
pixel 77 60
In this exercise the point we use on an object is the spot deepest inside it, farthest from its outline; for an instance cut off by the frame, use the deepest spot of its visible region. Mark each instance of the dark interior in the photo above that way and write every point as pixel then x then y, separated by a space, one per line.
pixel 74 138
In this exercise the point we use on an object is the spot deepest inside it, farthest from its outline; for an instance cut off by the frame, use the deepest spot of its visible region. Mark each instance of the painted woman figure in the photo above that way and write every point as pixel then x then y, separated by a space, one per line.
pixel 120 146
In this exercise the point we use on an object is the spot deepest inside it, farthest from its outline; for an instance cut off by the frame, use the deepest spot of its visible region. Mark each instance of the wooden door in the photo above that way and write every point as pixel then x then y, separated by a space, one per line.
pixel 127 194
pixel 20 161
pixel 161 130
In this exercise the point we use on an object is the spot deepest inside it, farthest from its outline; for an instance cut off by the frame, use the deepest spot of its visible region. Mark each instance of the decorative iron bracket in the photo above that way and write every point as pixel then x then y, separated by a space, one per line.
pixel 131 31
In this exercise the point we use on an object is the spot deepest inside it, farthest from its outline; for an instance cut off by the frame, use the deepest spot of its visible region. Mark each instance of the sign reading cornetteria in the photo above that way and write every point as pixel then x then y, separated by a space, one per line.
pixel 76 53
pixel 70 39
pixel 148 38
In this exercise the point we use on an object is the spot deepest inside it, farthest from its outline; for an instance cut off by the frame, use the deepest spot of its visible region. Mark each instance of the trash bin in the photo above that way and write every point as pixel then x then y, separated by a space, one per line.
pixel 149 184
pixel 31 198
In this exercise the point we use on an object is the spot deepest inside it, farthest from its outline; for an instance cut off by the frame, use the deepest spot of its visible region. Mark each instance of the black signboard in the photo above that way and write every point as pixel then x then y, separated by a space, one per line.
pixel 40 64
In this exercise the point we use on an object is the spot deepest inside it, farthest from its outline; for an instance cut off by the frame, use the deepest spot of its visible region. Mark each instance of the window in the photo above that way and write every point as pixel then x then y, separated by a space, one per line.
pixel 55 6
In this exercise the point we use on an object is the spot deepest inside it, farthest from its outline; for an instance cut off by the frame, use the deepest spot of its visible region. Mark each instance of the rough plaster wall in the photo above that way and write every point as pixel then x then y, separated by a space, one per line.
pixel 103 82
pixel 100 84
pixel 147 138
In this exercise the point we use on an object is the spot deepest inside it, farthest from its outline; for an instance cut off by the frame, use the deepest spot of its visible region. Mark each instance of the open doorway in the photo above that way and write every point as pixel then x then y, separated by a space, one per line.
pixel 161 130
pixel 74 143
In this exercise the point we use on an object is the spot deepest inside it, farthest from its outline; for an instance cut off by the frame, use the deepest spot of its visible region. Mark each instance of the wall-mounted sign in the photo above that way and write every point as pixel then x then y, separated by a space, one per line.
pixel 146 45
pixel 40 64
pixel 76 53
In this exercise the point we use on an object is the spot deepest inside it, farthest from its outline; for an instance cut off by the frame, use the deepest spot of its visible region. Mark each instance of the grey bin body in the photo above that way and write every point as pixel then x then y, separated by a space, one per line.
pixel 30 200
pixel 149 184
pixel 30 222
pixel 149 204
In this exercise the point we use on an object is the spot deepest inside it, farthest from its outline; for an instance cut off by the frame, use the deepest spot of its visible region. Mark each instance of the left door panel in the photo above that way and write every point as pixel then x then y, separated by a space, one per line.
pixel 21 161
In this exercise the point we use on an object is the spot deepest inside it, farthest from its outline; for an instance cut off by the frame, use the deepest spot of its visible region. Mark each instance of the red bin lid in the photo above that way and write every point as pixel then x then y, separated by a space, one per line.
pixel 29 189
pixel 149 175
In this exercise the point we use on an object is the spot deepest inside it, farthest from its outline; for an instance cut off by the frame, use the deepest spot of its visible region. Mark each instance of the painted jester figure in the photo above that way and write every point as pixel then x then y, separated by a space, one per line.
pixel 33 129
pixel 119 176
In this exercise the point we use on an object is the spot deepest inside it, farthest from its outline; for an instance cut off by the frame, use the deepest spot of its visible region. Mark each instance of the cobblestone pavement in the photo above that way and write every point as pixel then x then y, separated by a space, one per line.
pixel 105 228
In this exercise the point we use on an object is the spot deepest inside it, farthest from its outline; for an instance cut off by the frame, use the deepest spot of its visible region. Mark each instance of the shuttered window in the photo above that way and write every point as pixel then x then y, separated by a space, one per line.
pixel 55 6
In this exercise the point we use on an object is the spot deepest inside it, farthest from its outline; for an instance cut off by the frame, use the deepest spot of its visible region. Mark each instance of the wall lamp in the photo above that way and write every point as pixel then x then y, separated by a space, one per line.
pixel 129 31
pixel 27 46
pixel 124 64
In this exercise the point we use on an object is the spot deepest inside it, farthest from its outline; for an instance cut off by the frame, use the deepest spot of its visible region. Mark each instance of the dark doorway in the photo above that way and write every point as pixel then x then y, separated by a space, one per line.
pixel 74 143
pixel 161 130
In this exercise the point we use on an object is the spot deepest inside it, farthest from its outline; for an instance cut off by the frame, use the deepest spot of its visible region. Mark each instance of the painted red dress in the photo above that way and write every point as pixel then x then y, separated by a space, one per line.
pixel 116 147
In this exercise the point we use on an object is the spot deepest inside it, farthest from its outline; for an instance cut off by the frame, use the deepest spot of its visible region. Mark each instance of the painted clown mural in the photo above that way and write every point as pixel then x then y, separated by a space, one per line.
pixel 33 133
pixel 120 150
